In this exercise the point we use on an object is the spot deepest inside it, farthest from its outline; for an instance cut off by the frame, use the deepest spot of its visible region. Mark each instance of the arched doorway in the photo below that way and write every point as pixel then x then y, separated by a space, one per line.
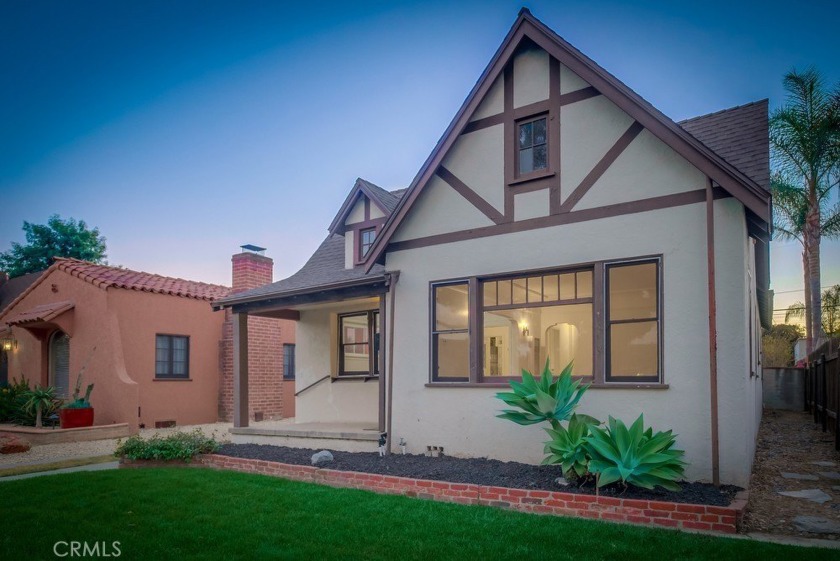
pixel 60 363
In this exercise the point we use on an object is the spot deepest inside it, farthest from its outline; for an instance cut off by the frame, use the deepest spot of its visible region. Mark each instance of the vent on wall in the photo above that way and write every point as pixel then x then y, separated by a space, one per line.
pixel 258 416
pixel 164 424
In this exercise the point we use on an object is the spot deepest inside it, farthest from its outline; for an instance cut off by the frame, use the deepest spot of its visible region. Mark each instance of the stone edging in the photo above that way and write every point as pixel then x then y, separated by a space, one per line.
pixel 651 513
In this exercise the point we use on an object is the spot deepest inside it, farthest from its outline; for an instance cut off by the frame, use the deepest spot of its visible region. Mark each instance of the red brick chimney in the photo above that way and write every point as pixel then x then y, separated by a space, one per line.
pixel 266 339
pixel 251 269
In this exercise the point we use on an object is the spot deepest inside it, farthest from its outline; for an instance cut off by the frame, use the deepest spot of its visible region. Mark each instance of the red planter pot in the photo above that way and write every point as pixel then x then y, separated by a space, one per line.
pixel 74 418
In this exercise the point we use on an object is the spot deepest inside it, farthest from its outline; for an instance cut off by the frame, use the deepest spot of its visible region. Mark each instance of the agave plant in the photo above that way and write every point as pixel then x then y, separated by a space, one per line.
pixel 635 456
pixel 567 446
pixel 40 401
pixel 542 400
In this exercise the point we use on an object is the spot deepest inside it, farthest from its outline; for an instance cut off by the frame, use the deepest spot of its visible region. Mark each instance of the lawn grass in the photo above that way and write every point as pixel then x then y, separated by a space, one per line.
pixel 50 466
pixel 206 514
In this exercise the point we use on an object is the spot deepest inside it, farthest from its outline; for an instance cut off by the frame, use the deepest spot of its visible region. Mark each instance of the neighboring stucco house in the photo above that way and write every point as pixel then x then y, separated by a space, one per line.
pixel 156 352
pixel 559 217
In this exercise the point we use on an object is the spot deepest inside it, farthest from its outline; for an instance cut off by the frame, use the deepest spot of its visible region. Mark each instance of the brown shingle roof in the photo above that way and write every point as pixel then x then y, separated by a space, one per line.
pixel 104 276
pixel 739 135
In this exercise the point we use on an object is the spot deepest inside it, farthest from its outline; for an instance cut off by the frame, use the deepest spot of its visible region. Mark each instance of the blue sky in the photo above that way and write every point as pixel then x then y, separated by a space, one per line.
pixel 183 129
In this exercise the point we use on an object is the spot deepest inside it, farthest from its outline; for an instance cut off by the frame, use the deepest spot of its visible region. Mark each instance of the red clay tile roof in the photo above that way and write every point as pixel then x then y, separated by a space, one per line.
pixel 44 312
pixel 104 276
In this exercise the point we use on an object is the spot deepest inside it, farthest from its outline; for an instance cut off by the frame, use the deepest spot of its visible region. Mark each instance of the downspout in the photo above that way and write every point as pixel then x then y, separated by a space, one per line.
pixel 713 381
pixel 392 289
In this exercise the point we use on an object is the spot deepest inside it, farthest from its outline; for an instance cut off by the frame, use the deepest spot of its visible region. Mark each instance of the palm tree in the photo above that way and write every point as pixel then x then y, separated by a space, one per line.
pixel 40 400
pixel 790 209
pixel 805 137
pixel 830 311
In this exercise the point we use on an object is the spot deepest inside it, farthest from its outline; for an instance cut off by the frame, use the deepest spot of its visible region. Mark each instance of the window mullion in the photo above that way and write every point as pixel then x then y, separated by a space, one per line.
pixel 599 322
pixel 474 333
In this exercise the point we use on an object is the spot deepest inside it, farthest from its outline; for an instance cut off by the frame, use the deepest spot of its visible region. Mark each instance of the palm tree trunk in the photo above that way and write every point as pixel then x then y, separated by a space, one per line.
pixel 807 284
pixel 38 424
pixel 812 237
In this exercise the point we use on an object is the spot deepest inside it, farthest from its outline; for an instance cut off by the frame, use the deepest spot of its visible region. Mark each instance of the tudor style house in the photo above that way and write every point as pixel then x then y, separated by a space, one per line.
pixel 560 217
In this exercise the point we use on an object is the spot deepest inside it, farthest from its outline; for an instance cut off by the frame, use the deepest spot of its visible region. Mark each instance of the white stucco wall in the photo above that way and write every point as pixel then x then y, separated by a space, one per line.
pixel 463 419
pixel 316 356
pixel 530 77
pixel 493 103
pixel 478 160
pixel 358 213
pixel 569 81
pixel 375 212
pixel 349 249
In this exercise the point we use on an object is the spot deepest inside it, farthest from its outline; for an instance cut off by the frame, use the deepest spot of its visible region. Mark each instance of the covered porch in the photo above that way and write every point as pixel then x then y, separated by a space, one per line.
pixel 341 365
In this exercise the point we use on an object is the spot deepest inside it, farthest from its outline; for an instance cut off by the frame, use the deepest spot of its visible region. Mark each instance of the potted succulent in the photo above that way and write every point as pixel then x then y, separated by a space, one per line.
pixel 78 412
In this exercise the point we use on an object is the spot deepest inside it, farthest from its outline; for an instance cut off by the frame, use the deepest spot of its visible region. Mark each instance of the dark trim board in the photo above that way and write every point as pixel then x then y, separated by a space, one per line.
pixel 272 305
pixel 643 205
pixel 472 197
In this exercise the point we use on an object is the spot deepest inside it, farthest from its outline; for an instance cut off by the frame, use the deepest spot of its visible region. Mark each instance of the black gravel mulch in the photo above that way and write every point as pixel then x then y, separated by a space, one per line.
pixel 478 471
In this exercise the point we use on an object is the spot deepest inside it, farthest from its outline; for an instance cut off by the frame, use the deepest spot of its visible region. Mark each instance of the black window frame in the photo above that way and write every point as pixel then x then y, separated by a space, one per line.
pixel 170 359
pixel 609 322
pixel 373 344
pixel 288 361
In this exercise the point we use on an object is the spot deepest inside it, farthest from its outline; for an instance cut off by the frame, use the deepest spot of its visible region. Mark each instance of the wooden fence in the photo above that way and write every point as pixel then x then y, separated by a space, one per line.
pixel 822 392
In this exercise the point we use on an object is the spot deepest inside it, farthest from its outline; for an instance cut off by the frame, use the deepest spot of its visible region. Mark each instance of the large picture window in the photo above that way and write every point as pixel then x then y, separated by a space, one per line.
pixel 604 317
pixel 172 356
pixel 528 319
pixel 358 344
pixel 633 322
pixel 450 332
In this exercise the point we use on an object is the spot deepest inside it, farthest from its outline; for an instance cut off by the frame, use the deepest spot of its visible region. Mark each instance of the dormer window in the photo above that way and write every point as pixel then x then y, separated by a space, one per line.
pixel 366 239
pixel 532 153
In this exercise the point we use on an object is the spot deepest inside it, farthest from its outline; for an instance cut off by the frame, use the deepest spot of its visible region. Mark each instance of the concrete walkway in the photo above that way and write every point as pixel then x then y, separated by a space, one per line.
pixel 90 467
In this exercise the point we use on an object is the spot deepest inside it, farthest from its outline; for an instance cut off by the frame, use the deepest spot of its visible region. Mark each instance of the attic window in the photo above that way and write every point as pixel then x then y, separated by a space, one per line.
pixel 532 139
pixel 366 239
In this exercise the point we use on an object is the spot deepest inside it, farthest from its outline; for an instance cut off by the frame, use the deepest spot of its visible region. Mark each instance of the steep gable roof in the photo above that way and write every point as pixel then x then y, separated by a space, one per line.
pixel 738 184
pixel 104 277
pixel 739 135
pixel 323 270
pixel 383 199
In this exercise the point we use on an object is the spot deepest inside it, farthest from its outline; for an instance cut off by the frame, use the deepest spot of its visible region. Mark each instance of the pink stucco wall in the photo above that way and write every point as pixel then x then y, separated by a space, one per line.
pixel 121 325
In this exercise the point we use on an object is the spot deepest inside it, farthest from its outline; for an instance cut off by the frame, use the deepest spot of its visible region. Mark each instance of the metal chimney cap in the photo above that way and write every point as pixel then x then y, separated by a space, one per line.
pixel 253 249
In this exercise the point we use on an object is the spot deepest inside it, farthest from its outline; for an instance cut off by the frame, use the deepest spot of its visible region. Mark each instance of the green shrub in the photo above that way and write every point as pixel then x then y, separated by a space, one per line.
pixel 635 456
pixel 567 446
pixel 175 446
pixel 544 399
pixel 9 398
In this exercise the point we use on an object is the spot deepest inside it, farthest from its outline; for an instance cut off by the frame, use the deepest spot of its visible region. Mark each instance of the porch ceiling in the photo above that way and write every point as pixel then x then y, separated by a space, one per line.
pixel 289 306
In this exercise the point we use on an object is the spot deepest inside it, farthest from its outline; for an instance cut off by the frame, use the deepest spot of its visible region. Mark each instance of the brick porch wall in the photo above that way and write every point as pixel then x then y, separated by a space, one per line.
pixel 266 337
pixel 649 513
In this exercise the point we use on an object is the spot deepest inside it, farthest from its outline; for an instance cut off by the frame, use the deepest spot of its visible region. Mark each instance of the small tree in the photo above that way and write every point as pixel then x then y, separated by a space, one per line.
pixel 39 400
pixel 777 344
pixel 56 238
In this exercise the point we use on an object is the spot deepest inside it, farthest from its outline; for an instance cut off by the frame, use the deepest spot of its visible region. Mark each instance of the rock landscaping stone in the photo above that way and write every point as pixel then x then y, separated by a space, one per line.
pixel 800 476
pixel 824 464
pixel 562 482
pixel 322 457
pixel 11 444
pixel 816 525
pixel 813 495
pixel 830 474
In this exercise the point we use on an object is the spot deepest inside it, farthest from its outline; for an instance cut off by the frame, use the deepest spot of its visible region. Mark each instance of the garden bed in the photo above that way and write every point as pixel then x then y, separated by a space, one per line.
pixel 477 471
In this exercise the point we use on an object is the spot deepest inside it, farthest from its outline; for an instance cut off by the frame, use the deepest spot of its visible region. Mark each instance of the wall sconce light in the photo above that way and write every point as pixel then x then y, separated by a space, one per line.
pixel 7 344
pixel 524 327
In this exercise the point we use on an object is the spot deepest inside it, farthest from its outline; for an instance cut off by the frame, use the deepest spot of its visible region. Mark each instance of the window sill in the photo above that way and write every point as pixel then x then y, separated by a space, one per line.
pixel 348 377
pixel 531 177
pixel 497 385
pixel 172 379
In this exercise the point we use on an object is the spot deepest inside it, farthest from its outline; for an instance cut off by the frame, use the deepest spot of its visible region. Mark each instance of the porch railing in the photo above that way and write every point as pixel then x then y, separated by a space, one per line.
pixel 313 384
pixel 822 393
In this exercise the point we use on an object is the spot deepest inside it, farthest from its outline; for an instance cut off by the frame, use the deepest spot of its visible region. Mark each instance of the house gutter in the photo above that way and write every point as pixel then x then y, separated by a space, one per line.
pixel 230 302
pixel 392 279
pixel 713 370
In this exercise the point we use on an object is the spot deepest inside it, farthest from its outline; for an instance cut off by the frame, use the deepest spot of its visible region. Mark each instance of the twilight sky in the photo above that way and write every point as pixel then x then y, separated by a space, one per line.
pixel 183 129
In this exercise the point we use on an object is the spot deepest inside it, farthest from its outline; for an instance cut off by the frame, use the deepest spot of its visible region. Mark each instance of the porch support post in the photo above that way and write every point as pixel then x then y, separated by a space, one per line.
pixel 383 340
pixel 389 427
pixel 713 370
pixel 240 370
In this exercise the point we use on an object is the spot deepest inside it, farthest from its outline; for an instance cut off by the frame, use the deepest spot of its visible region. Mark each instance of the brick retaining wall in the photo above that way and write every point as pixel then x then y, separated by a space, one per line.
pixel 651 513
